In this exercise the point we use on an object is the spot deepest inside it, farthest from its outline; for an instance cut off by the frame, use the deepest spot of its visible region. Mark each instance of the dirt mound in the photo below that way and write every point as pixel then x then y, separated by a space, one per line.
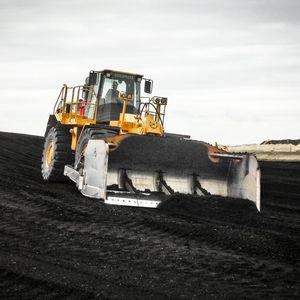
pixel 240 211
pixel 240 225
pixel 55 243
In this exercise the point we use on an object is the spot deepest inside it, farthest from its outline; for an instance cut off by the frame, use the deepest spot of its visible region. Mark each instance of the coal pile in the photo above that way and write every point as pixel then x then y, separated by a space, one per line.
pixel 219 208
pixel 57 244
pixel 285 141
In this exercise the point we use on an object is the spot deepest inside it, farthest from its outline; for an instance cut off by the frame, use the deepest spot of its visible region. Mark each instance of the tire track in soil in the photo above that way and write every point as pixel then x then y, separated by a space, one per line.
pixel 15 285
pixel 183 270
pixel 136 253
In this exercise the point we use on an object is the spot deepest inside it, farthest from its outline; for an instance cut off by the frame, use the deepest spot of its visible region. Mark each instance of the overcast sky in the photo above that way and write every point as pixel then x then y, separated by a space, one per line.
pixel 230 68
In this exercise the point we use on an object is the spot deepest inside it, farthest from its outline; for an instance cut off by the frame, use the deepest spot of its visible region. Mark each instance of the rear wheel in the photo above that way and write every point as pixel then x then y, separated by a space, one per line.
pixel 56 154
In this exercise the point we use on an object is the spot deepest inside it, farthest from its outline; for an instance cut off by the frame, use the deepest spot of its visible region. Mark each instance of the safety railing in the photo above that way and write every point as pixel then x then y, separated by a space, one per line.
pixel 77 101
pixel 156 106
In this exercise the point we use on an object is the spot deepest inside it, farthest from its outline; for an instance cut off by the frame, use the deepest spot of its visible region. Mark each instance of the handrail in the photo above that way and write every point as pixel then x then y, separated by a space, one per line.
pixel 144 107
pixel 56 103
pixel 68 100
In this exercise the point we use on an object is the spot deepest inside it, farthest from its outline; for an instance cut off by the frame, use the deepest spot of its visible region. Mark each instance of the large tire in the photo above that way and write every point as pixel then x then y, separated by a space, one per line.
pixel 56 154
pixel 91 133
pixel 85 136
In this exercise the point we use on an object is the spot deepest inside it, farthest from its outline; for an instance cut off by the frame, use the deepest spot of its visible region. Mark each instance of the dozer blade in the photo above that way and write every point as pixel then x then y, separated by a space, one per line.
pixel 175 164
pixel 143 170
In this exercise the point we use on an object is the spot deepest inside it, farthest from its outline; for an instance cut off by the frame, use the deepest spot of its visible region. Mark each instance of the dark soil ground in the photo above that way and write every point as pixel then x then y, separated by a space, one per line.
pixel 57 244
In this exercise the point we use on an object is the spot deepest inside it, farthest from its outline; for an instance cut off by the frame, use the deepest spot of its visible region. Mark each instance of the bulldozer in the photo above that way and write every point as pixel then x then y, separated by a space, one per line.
pixel 110 140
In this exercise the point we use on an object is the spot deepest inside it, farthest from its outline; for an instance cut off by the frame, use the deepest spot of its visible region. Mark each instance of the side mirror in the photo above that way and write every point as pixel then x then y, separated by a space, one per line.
pixel 93 78
pixel 148 86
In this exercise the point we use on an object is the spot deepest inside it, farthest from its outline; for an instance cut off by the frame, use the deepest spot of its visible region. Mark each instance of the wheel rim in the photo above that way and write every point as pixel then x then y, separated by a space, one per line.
pixel 49 154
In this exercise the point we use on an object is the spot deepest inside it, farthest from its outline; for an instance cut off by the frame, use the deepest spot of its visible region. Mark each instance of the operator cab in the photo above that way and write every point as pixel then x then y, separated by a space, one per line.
pixel 110 86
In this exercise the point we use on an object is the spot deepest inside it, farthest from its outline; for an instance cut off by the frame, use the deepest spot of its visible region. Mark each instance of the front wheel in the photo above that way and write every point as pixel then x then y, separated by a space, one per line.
pixel 56 154
pixel 98 133
pixel 80 150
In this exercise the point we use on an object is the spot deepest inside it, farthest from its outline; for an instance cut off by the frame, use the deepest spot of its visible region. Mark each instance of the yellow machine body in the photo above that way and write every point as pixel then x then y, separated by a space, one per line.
pixel 68 112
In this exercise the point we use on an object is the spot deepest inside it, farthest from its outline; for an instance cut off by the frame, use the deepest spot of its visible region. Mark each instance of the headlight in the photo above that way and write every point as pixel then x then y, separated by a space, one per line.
pixel 161 100
pixel 164 101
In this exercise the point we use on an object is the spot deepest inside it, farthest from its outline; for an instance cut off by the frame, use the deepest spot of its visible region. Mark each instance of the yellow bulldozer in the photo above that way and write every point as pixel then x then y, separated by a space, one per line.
pixel 110 140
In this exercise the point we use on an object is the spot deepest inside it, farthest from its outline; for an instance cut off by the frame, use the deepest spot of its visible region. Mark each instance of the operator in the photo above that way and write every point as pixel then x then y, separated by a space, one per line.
pixel 82 104
pixel 112 95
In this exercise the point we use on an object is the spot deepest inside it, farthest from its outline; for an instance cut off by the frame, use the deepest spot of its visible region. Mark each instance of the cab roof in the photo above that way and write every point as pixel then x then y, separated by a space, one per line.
pixel 120 72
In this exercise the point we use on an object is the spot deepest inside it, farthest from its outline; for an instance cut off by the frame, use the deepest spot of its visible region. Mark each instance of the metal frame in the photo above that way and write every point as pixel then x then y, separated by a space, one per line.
pixel 70 96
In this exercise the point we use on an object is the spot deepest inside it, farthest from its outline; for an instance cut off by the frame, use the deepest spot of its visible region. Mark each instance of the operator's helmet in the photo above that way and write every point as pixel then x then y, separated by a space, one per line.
pixel 115 85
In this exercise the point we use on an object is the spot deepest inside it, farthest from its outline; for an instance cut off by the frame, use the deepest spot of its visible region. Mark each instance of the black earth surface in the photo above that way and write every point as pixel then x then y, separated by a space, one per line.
pixel 57 244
